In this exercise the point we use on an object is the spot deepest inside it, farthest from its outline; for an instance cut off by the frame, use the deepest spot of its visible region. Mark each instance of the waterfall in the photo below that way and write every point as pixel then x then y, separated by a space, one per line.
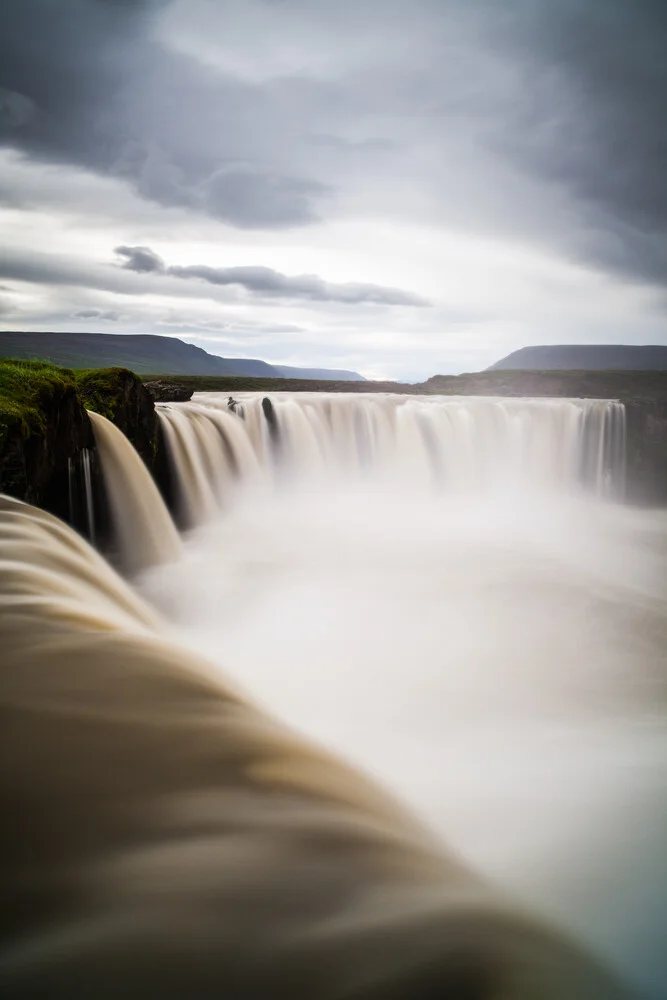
pixel 210 448
pixel 144 531
pixel 450 444
pixel 88 491
pixel 81 506
pixel 435 588
pixel 163 830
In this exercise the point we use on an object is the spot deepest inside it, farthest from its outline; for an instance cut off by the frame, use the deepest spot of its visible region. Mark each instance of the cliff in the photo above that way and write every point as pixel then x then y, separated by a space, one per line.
pixel 47 447
pixel 43 428
pixel 120 396
pixel 644 394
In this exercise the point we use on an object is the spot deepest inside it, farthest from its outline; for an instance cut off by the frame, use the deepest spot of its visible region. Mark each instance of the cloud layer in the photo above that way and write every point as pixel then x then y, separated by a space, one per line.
pixel 382 143
pixel 266 281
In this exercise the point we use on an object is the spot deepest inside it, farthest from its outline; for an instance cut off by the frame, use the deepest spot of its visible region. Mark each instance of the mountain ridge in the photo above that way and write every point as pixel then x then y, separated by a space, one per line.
pixel 584 357
pixel 145 354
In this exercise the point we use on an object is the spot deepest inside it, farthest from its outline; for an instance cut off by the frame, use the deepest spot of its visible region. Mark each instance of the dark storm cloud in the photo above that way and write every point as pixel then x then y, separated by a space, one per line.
pixel 82 82
pixel 85 82
pixel 594 119
pixel 264 281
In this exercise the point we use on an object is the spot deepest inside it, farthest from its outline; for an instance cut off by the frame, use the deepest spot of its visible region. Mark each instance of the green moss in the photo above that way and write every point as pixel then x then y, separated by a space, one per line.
pixel 102 389
pixel 25 386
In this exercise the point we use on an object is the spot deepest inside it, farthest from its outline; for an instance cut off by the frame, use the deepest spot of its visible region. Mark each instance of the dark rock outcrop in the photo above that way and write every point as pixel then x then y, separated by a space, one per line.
pixel 121 396
pixel 644 394
pixel 44 429
pixel 646 450
pixel 47 445
pixel 163 391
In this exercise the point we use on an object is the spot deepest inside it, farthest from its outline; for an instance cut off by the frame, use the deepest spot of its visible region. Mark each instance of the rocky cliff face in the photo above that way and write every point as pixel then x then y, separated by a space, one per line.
pixel 646 422
pixel 121 396
pixel 644 394
pixel 44 430
pixel 166 391
pixel 47 446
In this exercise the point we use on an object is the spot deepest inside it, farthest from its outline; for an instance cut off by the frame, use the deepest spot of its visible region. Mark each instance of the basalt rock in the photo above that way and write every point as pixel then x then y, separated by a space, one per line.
pixel 44 430
pixel 47 447
pixel 121 396
pixel 646 451
pixel 168 392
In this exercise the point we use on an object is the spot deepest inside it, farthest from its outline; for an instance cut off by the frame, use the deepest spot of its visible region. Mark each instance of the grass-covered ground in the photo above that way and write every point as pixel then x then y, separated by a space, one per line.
pixel 584 384
pixel 25 387
pixel 101 389
pixel 28 387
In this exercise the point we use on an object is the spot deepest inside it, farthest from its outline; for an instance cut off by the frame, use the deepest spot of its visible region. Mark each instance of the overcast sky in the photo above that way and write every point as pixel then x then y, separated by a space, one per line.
pixel 401 187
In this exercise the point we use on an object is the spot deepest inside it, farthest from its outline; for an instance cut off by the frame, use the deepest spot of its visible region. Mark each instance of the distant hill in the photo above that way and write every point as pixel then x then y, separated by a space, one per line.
pixel 323 374
pixel 584 357
pixel 145 354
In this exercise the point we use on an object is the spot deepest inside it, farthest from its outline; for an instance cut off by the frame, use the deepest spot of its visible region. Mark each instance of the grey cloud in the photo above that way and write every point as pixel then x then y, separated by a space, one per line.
pixel 34 267
pixel 135 278
pixel 104 314
pixel 592 119
pixel 141 259
pixel 614 141
pixel 569 94
pixel 254 200
pixel 264 281
pixel 83 82
pixel 15 109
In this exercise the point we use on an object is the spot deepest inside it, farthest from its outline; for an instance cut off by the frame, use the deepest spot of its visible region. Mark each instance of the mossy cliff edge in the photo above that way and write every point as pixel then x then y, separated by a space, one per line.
pixel 45 430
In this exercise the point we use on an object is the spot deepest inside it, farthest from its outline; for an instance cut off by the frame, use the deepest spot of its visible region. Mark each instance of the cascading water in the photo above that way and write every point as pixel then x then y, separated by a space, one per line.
pixel 445 591
pixel 144 531
pixel 456 444
pixel 88 491
pixel 80 493
pixel 209 448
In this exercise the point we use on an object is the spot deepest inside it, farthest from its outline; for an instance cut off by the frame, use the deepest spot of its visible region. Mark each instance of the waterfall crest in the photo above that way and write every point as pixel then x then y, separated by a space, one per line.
pixel 144 531
pixel 450 444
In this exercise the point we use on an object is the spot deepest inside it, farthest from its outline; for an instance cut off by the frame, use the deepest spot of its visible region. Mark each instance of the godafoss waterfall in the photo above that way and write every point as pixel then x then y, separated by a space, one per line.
pixel 449 595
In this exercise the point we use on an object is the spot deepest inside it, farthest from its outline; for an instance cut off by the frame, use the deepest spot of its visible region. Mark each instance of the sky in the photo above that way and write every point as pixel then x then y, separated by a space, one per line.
pixel 399 187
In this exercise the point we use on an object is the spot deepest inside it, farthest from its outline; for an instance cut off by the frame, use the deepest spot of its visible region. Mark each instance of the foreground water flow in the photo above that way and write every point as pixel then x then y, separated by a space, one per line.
pixel 447 592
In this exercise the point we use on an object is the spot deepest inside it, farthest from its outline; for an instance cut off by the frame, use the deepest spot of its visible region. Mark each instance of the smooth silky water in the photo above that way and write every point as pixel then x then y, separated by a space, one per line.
pixel 451 593
pixel 447 592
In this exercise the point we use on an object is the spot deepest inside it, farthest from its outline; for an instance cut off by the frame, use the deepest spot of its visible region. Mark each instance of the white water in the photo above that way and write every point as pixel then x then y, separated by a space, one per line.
pixel 88 491
pixel 439 590
pixel 455 445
